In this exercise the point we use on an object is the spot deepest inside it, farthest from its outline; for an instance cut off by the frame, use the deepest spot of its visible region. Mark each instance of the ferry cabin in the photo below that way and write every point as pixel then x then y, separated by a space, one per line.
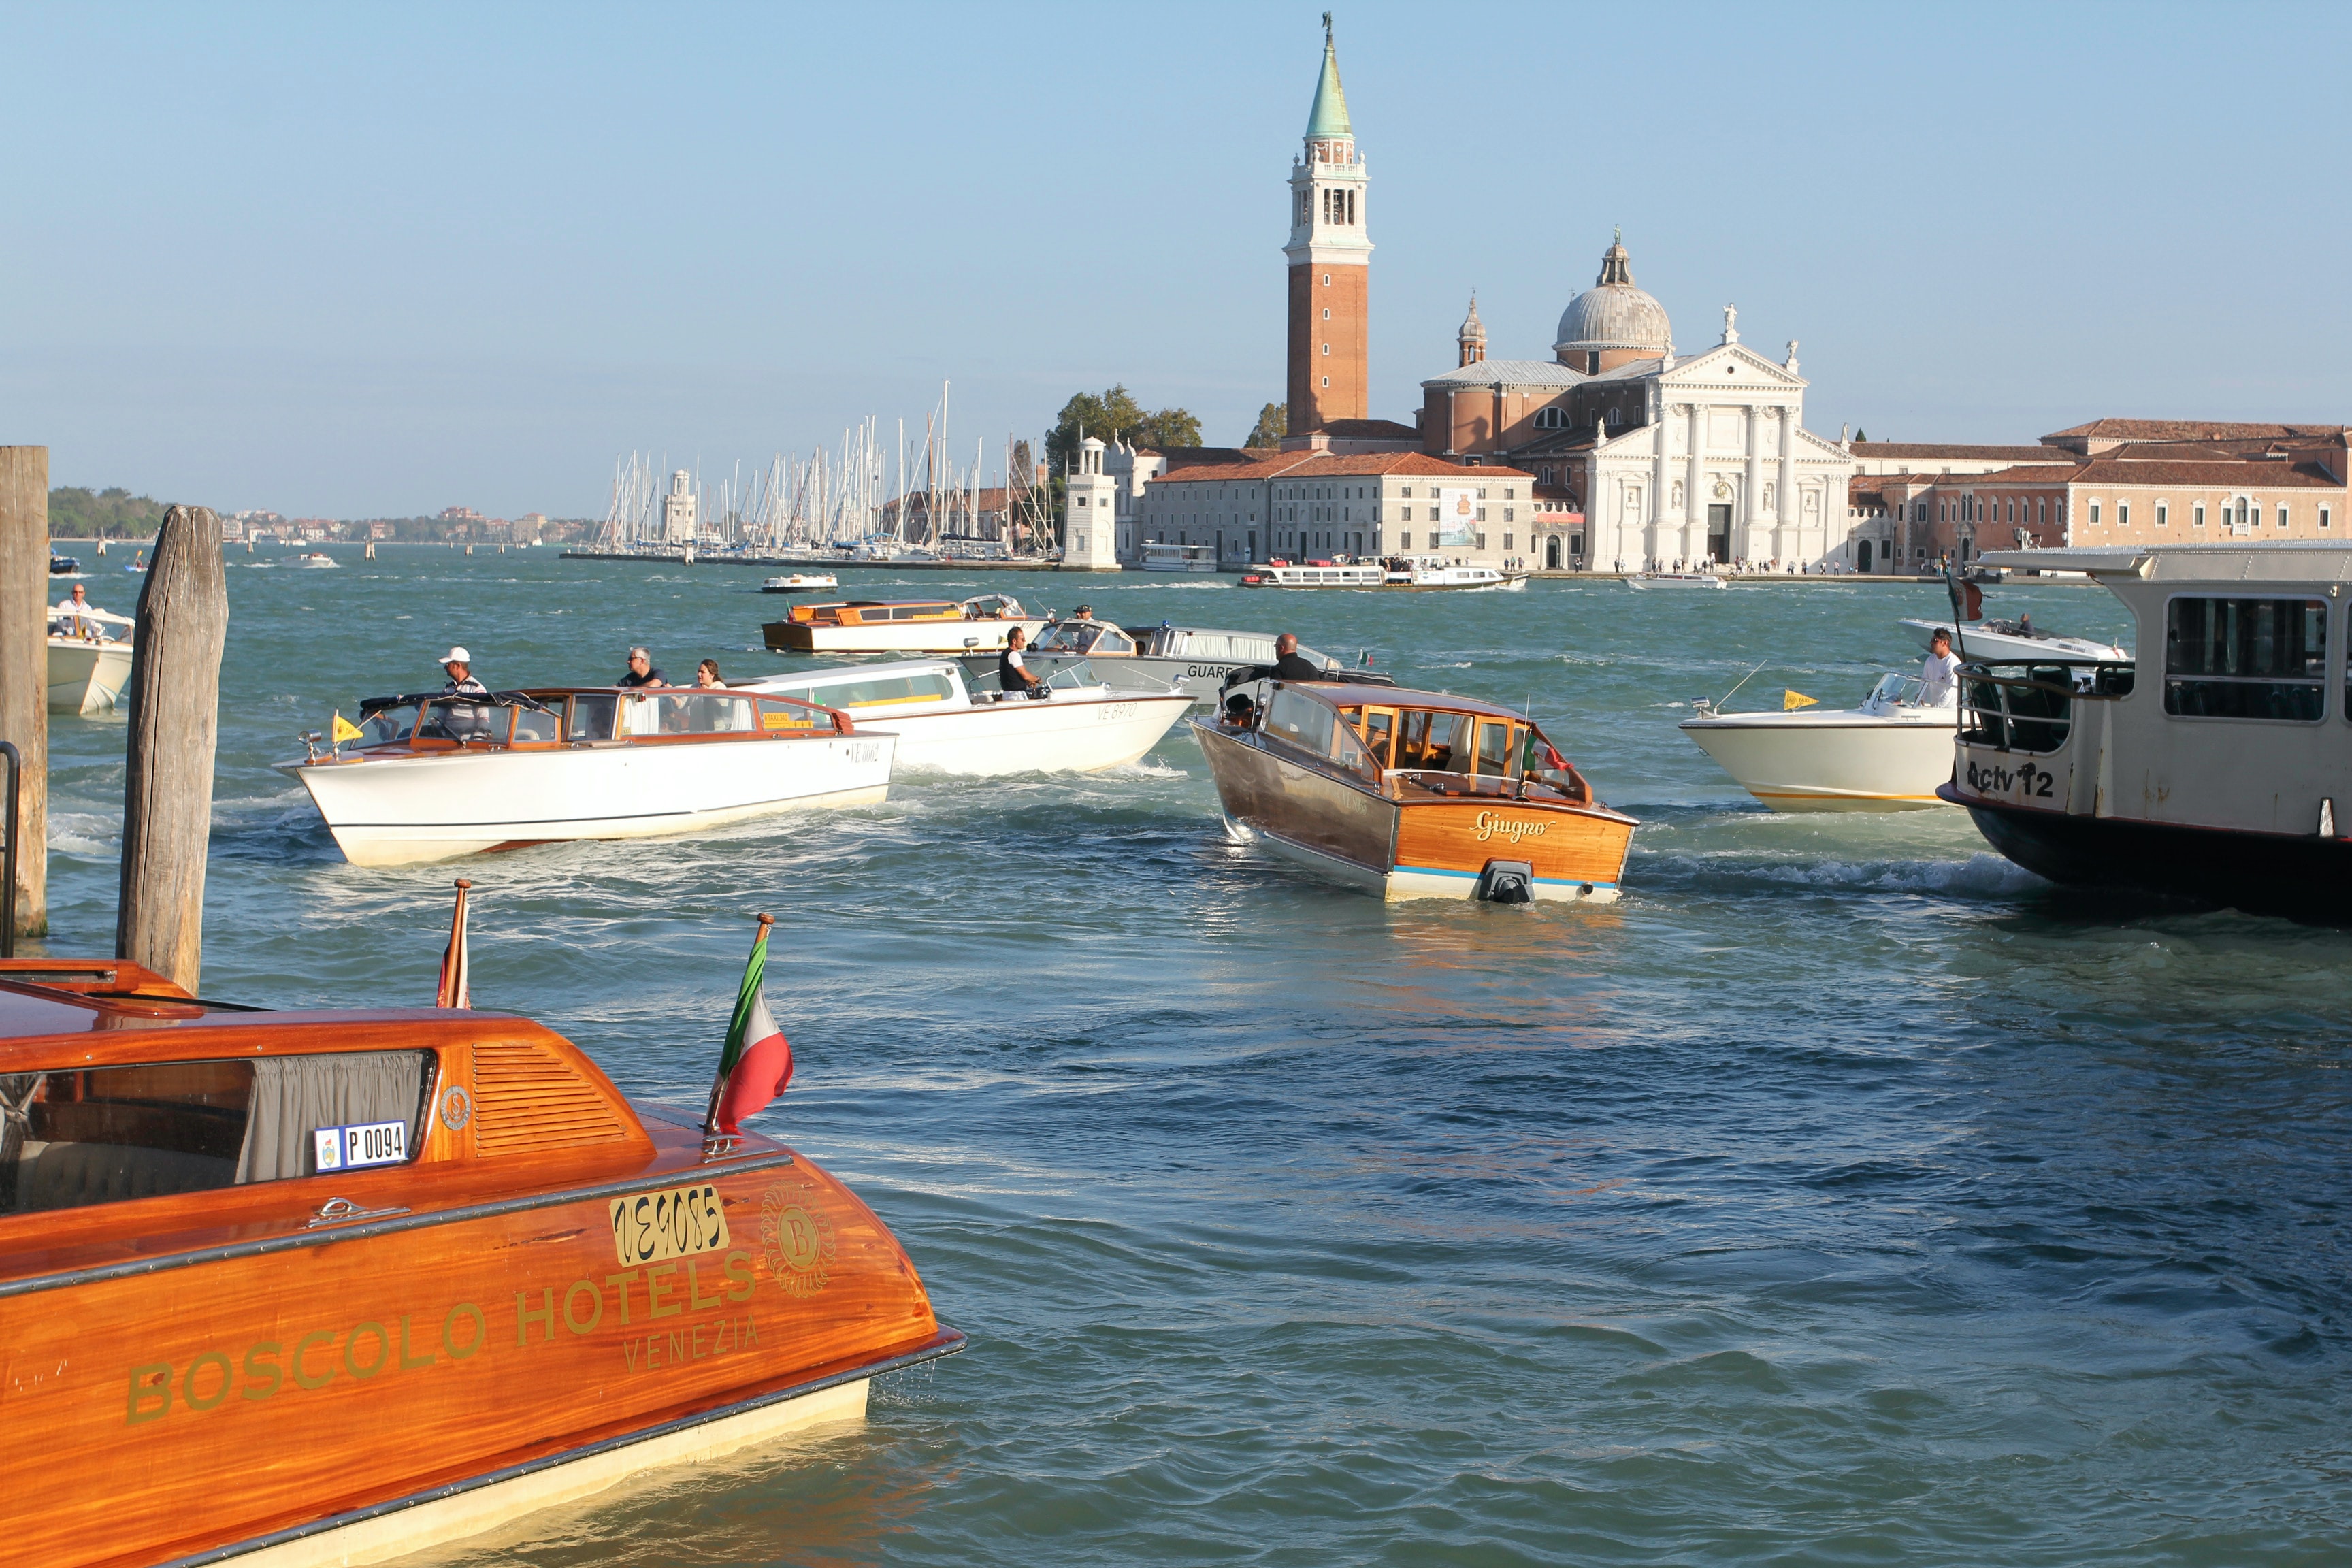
pixel 398 1274
pixel 2216 766
pixel 1414 794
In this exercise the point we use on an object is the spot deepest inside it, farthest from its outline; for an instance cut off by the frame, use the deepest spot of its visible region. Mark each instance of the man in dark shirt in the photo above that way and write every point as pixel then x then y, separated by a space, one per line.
pixel 641 671
pixel 1289 664
pixel 1012 679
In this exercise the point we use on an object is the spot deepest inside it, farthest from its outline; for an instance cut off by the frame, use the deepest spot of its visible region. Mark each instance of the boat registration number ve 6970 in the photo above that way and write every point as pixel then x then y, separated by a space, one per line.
pixel 362 1143
pixel 654 1227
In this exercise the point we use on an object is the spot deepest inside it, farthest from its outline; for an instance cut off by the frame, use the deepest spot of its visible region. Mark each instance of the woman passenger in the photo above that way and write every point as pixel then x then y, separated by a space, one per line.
pixel 706 675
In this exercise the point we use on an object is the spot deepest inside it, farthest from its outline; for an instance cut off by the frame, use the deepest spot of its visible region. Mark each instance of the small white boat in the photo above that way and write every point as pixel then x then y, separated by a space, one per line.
pixel 800 582
pixel 977 625
pixel 2017 642
pixel 948 723
pixel 1195 659
pixel 436 776
pixel 88 658
pixel 315 558
pixel 1888 754
pixel 1647 580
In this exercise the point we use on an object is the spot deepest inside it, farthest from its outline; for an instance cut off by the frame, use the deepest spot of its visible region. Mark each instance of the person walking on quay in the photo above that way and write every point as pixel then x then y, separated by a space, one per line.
pixel 459 665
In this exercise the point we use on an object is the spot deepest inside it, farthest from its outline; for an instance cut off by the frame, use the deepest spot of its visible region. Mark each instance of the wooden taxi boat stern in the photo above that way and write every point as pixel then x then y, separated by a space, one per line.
pixel 329 1287
pixel 1411 795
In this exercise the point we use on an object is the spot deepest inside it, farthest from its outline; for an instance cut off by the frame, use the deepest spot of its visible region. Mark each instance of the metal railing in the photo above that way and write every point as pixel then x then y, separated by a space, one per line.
pixel 2033 712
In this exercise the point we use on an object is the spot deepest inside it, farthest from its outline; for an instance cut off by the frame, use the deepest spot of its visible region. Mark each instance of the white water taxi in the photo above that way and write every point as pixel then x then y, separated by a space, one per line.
pixel 432 777
pixel 1191 659
pixel 948 723
pixel 88 657
pixel 1888 754
pixel 800 582
pixel 1648 580
pixel 979 625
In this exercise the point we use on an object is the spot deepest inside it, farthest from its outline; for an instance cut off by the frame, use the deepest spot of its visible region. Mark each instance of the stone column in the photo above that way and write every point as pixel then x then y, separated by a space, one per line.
pixel 1749 501
pixel 1694 504
pixel 1654 535
pixel 1789 537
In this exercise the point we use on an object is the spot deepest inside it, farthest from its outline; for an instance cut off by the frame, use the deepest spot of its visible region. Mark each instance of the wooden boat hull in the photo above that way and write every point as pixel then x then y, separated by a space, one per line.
pixel 896 637
pixel 437 807
pixel 1411 849
pixel 86 676
pixel 272 1384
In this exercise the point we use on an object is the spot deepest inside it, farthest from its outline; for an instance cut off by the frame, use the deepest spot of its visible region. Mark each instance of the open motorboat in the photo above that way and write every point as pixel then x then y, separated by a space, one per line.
pixel 1888 754
pixel 315 558
pixel 88 657
pixel 800 582
pixel 1647 580
pixel 2222 776
pixel 904 625
pixel 2016 642
pixel 65 566
pixel 1193 659
pixel 948 723
pixel 1407 573
pixel 1411 794
pixel 439 775
pixel 334 1286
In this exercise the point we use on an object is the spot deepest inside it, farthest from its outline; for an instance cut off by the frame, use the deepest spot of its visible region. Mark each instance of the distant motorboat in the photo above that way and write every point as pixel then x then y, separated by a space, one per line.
pixel 2017 641
pixel 1647 580
pixel 982 623
pixel 950 724
pixel 800 582
pixel 316 558
pixel 64 565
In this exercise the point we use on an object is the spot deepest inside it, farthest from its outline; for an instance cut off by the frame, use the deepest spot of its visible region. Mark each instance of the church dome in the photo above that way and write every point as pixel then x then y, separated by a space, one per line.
pixel 1613 316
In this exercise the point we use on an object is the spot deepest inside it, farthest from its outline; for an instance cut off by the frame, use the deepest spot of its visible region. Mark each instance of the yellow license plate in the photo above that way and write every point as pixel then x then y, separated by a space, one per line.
pixel 653 1227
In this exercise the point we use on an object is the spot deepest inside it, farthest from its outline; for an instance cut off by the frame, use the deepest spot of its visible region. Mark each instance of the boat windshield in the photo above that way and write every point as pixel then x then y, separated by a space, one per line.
pixel 92 1135
pixel 1067 636
pixel 876 692
pixel 1895 688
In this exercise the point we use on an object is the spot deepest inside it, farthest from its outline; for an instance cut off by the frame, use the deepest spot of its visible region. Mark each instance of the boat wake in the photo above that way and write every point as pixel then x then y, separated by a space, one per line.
pixel 1981 876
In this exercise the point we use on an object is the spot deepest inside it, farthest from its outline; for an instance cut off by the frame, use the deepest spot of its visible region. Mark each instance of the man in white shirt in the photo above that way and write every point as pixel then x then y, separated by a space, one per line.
pixel 1939 672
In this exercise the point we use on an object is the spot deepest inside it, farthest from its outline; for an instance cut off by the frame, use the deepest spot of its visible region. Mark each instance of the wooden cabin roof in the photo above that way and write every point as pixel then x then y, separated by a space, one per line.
pixel 1348 694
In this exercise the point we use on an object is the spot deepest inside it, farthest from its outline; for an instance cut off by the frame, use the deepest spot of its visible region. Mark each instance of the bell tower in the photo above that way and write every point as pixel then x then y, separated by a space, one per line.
pixel 1330 264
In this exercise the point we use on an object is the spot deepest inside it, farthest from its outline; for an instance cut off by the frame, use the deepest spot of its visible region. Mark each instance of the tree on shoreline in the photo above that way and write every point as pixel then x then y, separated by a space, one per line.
pixel 1115 416
pixel 1273 425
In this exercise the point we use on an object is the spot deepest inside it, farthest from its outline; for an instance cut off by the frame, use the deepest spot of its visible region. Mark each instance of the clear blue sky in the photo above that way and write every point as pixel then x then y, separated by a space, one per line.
pixel 376 261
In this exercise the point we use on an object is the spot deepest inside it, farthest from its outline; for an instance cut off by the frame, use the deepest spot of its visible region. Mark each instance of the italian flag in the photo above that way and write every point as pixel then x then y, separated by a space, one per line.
pixel 757 1061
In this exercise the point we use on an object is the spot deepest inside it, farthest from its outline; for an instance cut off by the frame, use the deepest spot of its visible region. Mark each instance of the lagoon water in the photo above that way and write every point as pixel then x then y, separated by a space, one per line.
pixel 1843 1195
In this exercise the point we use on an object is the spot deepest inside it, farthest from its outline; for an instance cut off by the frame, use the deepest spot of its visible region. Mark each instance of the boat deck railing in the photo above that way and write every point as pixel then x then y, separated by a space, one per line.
pixel 2034 711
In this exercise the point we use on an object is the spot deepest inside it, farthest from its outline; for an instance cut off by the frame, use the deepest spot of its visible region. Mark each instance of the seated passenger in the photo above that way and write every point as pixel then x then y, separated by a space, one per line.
pixel 706 675
pixel 1240 711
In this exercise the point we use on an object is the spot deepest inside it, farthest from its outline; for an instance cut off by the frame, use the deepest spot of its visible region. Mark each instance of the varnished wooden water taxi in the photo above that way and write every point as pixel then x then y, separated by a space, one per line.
pixel 1411 795
pixel 308 1288
pixel 977 625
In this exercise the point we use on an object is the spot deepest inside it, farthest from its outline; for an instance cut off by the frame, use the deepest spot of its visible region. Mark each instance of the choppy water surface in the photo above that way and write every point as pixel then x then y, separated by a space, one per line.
pixel 1843 1195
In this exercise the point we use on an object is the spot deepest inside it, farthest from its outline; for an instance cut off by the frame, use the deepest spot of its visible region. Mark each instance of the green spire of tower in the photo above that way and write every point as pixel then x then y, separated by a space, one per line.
pixel 1328 117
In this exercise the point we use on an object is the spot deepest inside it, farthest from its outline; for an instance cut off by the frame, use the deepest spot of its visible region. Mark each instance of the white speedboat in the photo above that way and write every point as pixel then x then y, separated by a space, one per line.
pixel 315 558
pixel 1193 659
pixel 432 777
pixel 1888 754
pixel 2016 642
pixel 1647 580
pixel 947 723
pixel 88 658
pixel 800 582
pixel 979 625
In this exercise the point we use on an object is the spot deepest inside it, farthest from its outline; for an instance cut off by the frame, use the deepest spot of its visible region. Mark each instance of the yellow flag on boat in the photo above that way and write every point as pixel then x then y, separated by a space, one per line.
pixel 346 730
pixel 1792 700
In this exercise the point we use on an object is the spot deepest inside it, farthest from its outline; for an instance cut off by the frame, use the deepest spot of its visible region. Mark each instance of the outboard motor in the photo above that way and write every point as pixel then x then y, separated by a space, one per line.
pixel 1507 882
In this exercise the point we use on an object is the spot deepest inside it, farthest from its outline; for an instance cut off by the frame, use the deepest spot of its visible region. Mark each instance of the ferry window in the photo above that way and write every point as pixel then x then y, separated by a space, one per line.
pixel 94 1135
pixel 1300 719
pixel 591 717
pixel 2246 658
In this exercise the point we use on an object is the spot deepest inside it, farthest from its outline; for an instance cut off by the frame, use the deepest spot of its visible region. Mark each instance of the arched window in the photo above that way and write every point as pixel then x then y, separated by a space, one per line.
pixel 1553 417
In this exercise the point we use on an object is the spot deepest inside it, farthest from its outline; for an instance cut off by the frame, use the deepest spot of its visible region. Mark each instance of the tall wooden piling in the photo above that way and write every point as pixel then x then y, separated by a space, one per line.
pixel 23 667
pixel 174 694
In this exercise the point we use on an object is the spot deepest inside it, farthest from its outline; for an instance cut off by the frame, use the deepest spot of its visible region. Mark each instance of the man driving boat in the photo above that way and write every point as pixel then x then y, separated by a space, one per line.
pixel 457 665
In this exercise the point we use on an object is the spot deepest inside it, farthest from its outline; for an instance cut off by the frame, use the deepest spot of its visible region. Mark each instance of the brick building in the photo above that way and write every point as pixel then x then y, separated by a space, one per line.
pixel 2111 481
pixel 1330 265
pixel 1257 506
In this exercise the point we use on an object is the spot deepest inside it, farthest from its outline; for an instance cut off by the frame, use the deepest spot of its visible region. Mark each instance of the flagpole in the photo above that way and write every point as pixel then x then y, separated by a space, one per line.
pixel 742 1008
pixel 456 986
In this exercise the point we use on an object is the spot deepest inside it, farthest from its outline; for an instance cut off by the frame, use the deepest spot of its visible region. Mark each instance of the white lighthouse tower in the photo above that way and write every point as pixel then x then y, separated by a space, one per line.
pixel 1090 520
